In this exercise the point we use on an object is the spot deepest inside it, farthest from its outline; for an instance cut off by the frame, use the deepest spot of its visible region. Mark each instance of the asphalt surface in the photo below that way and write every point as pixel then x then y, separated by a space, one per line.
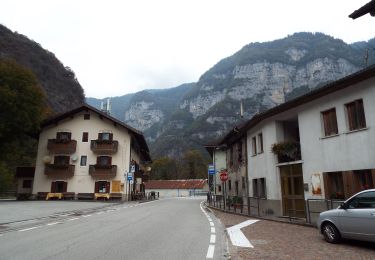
pixel 163 229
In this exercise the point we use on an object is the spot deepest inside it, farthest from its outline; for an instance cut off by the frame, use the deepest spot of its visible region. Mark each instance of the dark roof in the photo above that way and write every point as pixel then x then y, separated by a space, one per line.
pixel 367 8
pixel 25 172
pixel 138 135
pixel 332 87
pixel 175 184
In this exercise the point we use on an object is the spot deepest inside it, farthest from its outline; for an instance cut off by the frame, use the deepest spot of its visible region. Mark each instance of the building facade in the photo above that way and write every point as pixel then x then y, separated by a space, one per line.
pixel 317 147
pixel 85 153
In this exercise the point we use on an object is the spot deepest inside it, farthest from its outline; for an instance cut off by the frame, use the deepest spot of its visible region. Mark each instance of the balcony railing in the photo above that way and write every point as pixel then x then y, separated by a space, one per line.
pixel 103 172
pixel 66 170
pixel 61 147
pixel 104 147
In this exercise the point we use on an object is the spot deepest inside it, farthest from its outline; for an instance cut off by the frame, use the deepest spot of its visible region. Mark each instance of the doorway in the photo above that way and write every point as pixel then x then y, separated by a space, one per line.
pixel 293 196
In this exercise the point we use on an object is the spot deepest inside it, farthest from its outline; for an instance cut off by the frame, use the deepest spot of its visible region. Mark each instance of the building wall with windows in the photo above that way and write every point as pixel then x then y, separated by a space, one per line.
pixel 345 146
pixel 236 167
pixel 99 157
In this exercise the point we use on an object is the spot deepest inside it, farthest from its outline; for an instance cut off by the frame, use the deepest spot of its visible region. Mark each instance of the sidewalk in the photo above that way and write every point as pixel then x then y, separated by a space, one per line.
pixel 277 240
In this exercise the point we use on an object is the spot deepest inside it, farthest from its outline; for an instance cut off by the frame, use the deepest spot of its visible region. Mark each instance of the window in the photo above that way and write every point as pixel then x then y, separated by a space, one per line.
pixel 239 150
pixel 104 161
pixel 330 122
pixel 63 137
pixel 260 141
pixel 83 160
pixel 230 184
pixel 85 137
pixel 243 183
pixel 356 115
pixel 363 179
pixel 363 201
pixel 254 145
pixel 61 160
pixel 59 186
pixel 219 188
pixel 231 156
pixel 334 185
pixel 236 187
pixel 86 117
pixel 102 187
pixel 259 188
pixel 105 137
pixel 26 184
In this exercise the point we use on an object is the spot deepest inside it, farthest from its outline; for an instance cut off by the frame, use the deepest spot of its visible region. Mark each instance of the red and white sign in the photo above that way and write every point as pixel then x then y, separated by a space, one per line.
pixel 223 176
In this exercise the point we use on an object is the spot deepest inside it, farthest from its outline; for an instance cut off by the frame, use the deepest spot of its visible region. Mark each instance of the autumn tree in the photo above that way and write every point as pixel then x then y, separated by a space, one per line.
pixel 22 107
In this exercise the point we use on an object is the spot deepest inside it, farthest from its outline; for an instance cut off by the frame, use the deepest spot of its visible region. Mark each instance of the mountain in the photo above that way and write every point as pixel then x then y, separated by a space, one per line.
pixel 60 83
pixel 260 75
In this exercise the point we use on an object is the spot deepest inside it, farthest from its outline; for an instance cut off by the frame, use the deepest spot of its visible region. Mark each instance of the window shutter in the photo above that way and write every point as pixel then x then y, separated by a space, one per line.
pixel 65 186
pixel 100 136
pixel 53 187
pixel 69 136
pixel 107 187
pixel 110 137
pixel 67 159
pixel 109 160
pixel 98 160
pixel 96 187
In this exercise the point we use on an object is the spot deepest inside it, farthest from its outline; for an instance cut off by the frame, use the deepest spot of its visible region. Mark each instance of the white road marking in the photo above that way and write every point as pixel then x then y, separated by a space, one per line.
pixel 236 235
pixel 209 219
pixel 26 229
pixel 71 219
pixel 99 213
pixel 212 239
pixel 53 223
pixel 210 251
pixel 213 231
pixel 85 216
pixel 211 224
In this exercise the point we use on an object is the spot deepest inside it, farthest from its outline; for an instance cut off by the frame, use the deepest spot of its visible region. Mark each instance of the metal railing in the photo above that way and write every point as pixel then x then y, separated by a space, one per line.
pixel 236 204
pixel 320 206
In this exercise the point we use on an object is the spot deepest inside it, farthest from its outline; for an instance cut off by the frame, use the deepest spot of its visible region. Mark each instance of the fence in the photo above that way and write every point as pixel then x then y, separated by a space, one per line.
pixel 253 206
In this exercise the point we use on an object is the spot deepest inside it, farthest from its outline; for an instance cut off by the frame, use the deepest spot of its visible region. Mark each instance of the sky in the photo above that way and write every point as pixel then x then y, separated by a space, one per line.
pixel 117 47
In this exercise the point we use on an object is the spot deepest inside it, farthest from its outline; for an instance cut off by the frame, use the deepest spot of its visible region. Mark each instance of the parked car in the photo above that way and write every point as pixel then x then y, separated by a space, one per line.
pixel 354 219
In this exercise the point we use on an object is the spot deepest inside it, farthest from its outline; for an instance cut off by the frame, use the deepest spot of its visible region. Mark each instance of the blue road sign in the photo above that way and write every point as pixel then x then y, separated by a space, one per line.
pixel 211 169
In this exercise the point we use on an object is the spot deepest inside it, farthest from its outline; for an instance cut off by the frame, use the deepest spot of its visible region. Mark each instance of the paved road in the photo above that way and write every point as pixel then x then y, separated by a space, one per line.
pixel 164 229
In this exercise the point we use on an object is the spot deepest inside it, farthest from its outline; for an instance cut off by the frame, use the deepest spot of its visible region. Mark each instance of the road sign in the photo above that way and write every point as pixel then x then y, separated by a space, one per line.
pixel 223 176
pixel 211 169
pixel 130 177
pixel 132 168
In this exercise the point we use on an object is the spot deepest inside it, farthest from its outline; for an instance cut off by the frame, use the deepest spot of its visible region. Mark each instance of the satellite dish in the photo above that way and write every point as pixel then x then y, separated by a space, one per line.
pixel 74 158
pixel 47 159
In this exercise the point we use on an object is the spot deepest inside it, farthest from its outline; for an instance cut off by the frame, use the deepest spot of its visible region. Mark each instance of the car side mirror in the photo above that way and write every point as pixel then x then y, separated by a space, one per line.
pixel 343 206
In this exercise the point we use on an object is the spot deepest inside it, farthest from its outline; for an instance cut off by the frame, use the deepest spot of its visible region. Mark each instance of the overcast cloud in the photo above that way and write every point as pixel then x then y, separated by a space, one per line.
pixel 120 47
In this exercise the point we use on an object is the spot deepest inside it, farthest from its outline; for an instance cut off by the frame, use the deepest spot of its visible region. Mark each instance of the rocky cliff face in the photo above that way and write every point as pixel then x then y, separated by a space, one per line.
pixel 260 75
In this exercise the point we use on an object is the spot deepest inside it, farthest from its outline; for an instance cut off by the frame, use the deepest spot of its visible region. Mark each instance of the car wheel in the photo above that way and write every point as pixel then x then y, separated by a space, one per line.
pixel 331 234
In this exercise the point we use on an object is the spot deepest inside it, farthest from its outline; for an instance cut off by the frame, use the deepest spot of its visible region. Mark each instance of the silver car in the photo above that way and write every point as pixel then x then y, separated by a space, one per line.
pixel 354 219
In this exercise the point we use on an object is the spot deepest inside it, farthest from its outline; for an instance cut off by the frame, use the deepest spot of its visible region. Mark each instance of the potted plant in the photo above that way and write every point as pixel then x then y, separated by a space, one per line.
pixel 287 151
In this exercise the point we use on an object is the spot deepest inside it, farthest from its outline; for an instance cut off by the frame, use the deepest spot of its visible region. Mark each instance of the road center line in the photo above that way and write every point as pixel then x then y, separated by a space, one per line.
pixel 71 219
pixel 213 231
pixel 210 251
pixel 211 224
pixel 26 229
pixel 53 223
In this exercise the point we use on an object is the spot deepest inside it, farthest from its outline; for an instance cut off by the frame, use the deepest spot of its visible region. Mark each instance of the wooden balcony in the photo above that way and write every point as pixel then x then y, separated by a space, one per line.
pixel 55 170
pixel 104 147
pixel 100 172
pixel 58 147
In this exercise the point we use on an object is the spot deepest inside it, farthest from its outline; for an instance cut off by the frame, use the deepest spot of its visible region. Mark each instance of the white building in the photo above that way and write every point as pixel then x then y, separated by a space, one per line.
pixel 177 188
pixel 84 153
pixel 324 141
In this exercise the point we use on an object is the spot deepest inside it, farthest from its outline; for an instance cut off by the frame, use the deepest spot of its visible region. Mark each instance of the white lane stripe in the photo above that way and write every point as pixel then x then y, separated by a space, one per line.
pixel 71 219
pixel 236 235
pixel 85 216
pixel 212 239
pixel 53 223
pixel 99 213
pixel 209 219
pixel 26 229
pixel 211 224
pixel 213 231
pixel 210 251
